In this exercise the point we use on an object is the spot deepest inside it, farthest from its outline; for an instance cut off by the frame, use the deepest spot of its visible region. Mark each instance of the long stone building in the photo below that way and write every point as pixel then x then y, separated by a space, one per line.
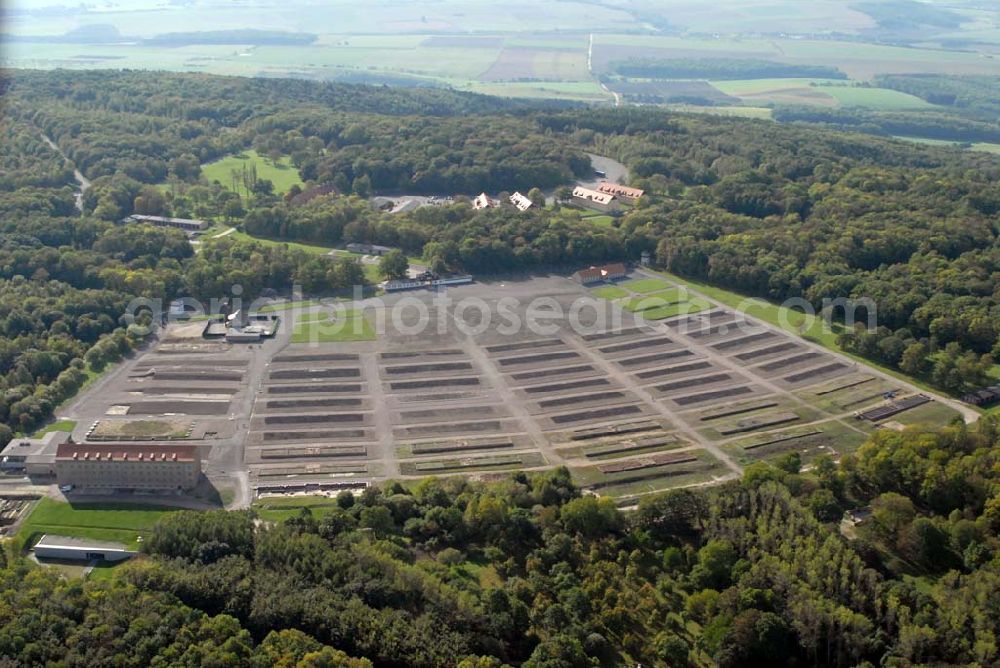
pixel 125 466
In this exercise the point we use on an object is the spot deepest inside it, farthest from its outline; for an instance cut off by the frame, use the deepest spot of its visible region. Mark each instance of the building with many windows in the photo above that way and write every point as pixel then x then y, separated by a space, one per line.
pixel 624 193
pixel 521 202
pixel 592 199
pixel 114 466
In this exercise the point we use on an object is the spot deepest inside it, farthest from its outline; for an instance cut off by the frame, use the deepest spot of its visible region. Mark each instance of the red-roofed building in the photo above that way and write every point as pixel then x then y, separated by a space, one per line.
pixel 125 466
pixel 621 192
pixel 592 199
pixel 608 272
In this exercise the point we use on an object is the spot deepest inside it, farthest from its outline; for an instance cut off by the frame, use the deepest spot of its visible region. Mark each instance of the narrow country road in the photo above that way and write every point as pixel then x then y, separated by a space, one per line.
pixel 82 180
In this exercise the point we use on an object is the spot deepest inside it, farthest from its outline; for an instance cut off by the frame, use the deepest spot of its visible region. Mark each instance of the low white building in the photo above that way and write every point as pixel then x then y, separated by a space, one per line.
pixel 79 549
pixel 483 201
pixel 521 202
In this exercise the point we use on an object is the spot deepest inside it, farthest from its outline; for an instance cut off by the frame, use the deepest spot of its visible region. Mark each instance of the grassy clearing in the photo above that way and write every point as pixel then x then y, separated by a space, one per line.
pixel 353 326
pixel 103 521
pixel 654 300
pixel 986 147
pixel 281 173
pixel 58 425
pixel 610 292
pixel 105 570
pixel 645 285
pixel 284 306
pixel 695 305
pixel 328 316
pixel 601 220
pixel 314 249
pixel 278 509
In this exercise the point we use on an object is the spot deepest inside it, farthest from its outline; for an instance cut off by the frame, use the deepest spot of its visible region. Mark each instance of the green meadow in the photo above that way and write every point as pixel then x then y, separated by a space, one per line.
pixel 281 173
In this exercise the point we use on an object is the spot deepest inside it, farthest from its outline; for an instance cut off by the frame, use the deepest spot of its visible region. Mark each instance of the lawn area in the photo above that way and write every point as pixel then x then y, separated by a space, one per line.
pixel 58 425
pixel 645 285
pixel 601 220
pixel 874 98
pixel 284 306
pixel 654 300
pixel 278 509
pixel 315 249
pixel 694 305
pixel 282 174
pixel 104 521
pixel 352 326
pixel 610 292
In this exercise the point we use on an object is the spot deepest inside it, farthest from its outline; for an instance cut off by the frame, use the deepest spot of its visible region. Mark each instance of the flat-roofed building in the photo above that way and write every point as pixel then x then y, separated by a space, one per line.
pixel 34 457
pixel 186 224
pixel 593 199
pixel 625 193
pixel 521 202
pixel 80 549
pixel 128 466
pixel 368 249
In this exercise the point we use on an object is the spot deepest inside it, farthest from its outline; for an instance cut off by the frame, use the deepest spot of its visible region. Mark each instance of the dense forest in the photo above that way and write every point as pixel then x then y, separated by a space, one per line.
pixel 766 209
pixel 973 96
pixel 527 571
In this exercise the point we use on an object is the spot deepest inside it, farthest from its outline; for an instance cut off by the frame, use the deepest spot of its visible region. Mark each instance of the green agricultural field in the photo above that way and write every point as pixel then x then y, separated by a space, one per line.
pixel 750 87
pixel 821 92
pixel 610 292
pixel 282 174
pixel 104 521
pixel 874 98
pixel 985 147
pixel 351 326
